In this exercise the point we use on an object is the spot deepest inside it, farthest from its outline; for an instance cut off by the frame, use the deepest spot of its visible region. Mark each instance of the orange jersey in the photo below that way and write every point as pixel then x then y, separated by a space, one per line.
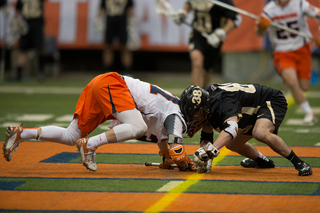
pixel 300 60
pixel 105 94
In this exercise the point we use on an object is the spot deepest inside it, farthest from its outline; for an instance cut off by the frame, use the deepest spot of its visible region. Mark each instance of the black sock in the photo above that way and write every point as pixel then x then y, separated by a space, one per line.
pixel 294 159
pixel 260 161
pixel 41 63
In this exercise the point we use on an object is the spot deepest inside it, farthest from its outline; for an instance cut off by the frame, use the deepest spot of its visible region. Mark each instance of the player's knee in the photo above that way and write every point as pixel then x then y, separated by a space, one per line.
pixel 259 135
pixel 139 129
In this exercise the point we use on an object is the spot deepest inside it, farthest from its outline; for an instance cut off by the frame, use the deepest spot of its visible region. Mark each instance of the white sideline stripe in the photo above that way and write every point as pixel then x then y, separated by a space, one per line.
pixel 59 90
pixel 169 186
pixel 41 90
pixel 317 144
pixel 316 110
pixel 34 117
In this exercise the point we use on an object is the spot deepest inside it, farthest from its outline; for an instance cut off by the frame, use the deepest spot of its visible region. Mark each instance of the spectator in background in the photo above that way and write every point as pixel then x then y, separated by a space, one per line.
pixel 30 16
pixel 118 23
pixel 292 56
pixel 205 52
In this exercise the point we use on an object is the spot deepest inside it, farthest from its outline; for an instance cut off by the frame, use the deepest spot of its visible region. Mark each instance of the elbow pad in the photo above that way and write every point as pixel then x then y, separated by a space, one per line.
pixel 231 127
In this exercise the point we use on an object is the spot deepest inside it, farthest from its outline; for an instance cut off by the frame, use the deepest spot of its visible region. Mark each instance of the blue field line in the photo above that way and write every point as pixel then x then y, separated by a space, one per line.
pixel 156 179
pixel 67 157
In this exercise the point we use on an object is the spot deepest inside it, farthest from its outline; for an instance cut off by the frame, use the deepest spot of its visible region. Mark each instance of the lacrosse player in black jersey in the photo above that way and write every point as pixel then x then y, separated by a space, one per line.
pixel 116 19
pixel 211 24
pixel 239 112
pixel 33 36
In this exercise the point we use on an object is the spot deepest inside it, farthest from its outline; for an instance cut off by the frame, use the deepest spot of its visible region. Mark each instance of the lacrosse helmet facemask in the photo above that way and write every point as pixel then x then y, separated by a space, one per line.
pixel 194 105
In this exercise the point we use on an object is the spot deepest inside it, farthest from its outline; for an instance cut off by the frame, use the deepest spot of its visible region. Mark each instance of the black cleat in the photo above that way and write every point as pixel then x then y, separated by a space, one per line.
pixel 249 163
pixel 304 169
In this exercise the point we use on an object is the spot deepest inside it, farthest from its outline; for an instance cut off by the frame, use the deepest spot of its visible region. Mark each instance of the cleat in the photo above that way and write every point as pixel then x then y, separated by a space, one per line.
pixel 304 169
pixel 12 141
pixel 88 156
pixel 249 163
pixel 310 118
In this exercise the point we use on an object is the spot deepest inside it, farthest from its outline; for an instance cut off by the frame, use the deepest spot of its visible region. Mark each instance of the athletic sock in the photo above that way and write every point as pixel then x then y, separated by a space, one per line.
pixel 261 156
pixel 29 133
pixel 305 106
pixel 97 141
pixel 294 159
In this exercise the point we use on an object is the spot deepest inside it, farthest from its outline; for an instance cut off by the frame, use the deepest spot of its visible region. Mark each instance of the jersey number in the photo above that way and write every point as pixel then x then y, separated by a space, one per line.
pixel 232 87
pixel 156 90
pixel 282 34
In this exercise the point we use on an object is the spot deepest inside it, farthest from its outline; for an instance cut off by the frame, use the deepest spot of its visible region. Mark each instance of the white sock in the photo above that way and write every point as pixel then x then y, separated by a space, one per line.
pixel 96 141
pixel 306 107
pixel 29 133
pixel 263 157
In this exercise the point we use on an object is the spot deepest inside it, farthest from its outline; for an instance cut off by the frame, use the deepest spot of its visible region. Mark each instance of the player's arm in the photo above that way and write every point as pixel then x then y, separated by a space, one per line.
pixel 262 25
pixel 102 9
pixel 179 16
pixel 228 133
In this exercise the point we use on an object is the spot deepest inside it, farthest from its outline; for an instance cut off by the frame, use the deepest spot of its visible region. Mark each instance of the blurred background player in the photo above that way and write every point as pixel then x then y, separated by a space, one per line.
pixel 292 56
pixel 113 97
pixel 119 21
pixel 213 20
pixel 33 37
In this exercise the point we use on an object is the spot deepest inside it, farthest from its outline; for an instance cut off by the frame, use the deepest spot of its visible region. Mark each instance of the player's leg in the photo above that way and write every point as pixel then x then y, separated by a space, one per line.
pixel 266 128
pixel 197 70
pixel 304 75
pixel 108 53
pixel 38 42
pixel 108 57
pixel 254 157
pixel 17 134
pixel 126 54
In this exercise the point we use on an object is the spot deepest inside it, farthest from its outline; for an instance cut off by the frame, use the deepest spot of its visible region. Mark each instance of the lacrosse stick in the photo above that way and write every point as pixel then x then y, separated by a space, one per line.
pixel 158 164
pixel 243 12
pixel 165 8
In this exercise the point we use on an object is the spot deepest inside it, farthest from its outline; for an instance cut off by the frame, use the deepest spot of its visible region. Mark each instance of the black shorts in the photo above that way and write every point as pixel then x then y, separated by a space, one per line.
pixel 116 28
pixel 35 36
pixel 211 54
pixel 274 109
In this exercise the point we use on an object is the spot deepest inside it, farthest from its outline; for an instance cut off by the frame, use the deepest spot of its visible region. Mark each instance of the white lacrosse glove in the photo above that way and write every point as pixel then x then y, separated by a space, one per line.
pixel 179 16
pixel 202 166
pixel 216 37
pixel 203 157
pixel 99 24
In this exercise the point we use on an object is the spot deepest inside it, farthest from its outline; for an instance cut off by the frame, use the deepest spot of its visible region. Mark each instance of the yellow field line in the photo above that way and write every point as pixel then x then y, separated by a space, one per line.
pixel 172 195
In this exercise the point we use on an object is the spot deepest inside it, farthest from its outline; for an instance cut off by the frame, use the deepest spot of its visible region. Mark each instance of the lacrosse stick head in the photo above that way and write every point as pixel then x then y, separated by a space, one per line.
pixel 164 7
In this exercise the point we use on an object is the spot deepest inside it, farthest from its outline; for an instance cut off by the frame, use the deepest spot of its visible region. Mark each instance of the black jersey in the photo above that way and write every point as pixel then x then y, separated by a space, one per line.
pixel 207 16
pixel 31 10
pixel 116 7
pixel 246 101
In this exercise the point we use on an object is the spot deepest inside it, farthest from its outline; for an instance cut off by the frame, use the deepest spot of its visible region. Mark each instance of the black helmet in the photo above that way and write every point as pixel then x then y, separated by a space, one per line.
pixel 192 100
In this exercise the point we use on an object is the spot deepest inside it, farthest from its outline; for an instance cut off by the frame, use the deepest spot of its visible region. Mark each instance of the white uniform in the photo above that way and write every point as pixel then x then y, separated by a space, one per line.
pixel 293 15
pixel 155 105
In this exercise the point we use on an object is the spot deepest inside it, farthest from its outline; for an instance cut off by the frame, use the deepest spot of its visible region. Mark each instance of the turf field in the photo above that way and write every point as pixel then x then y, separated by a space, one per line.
pixel 48 177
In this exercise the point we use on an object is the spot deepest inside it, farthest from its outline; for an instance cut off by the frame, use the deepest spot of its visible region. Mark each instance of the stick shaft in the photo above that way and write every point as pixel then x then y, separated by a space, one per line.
pixel 243 12
pixel 158 164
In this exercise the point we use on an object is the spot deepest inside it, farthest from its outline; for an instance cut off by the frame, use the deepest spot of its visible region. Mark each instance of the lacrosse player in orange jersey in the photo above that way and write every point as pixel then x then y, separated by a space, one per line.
pixel 292 56
pixel 140 111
